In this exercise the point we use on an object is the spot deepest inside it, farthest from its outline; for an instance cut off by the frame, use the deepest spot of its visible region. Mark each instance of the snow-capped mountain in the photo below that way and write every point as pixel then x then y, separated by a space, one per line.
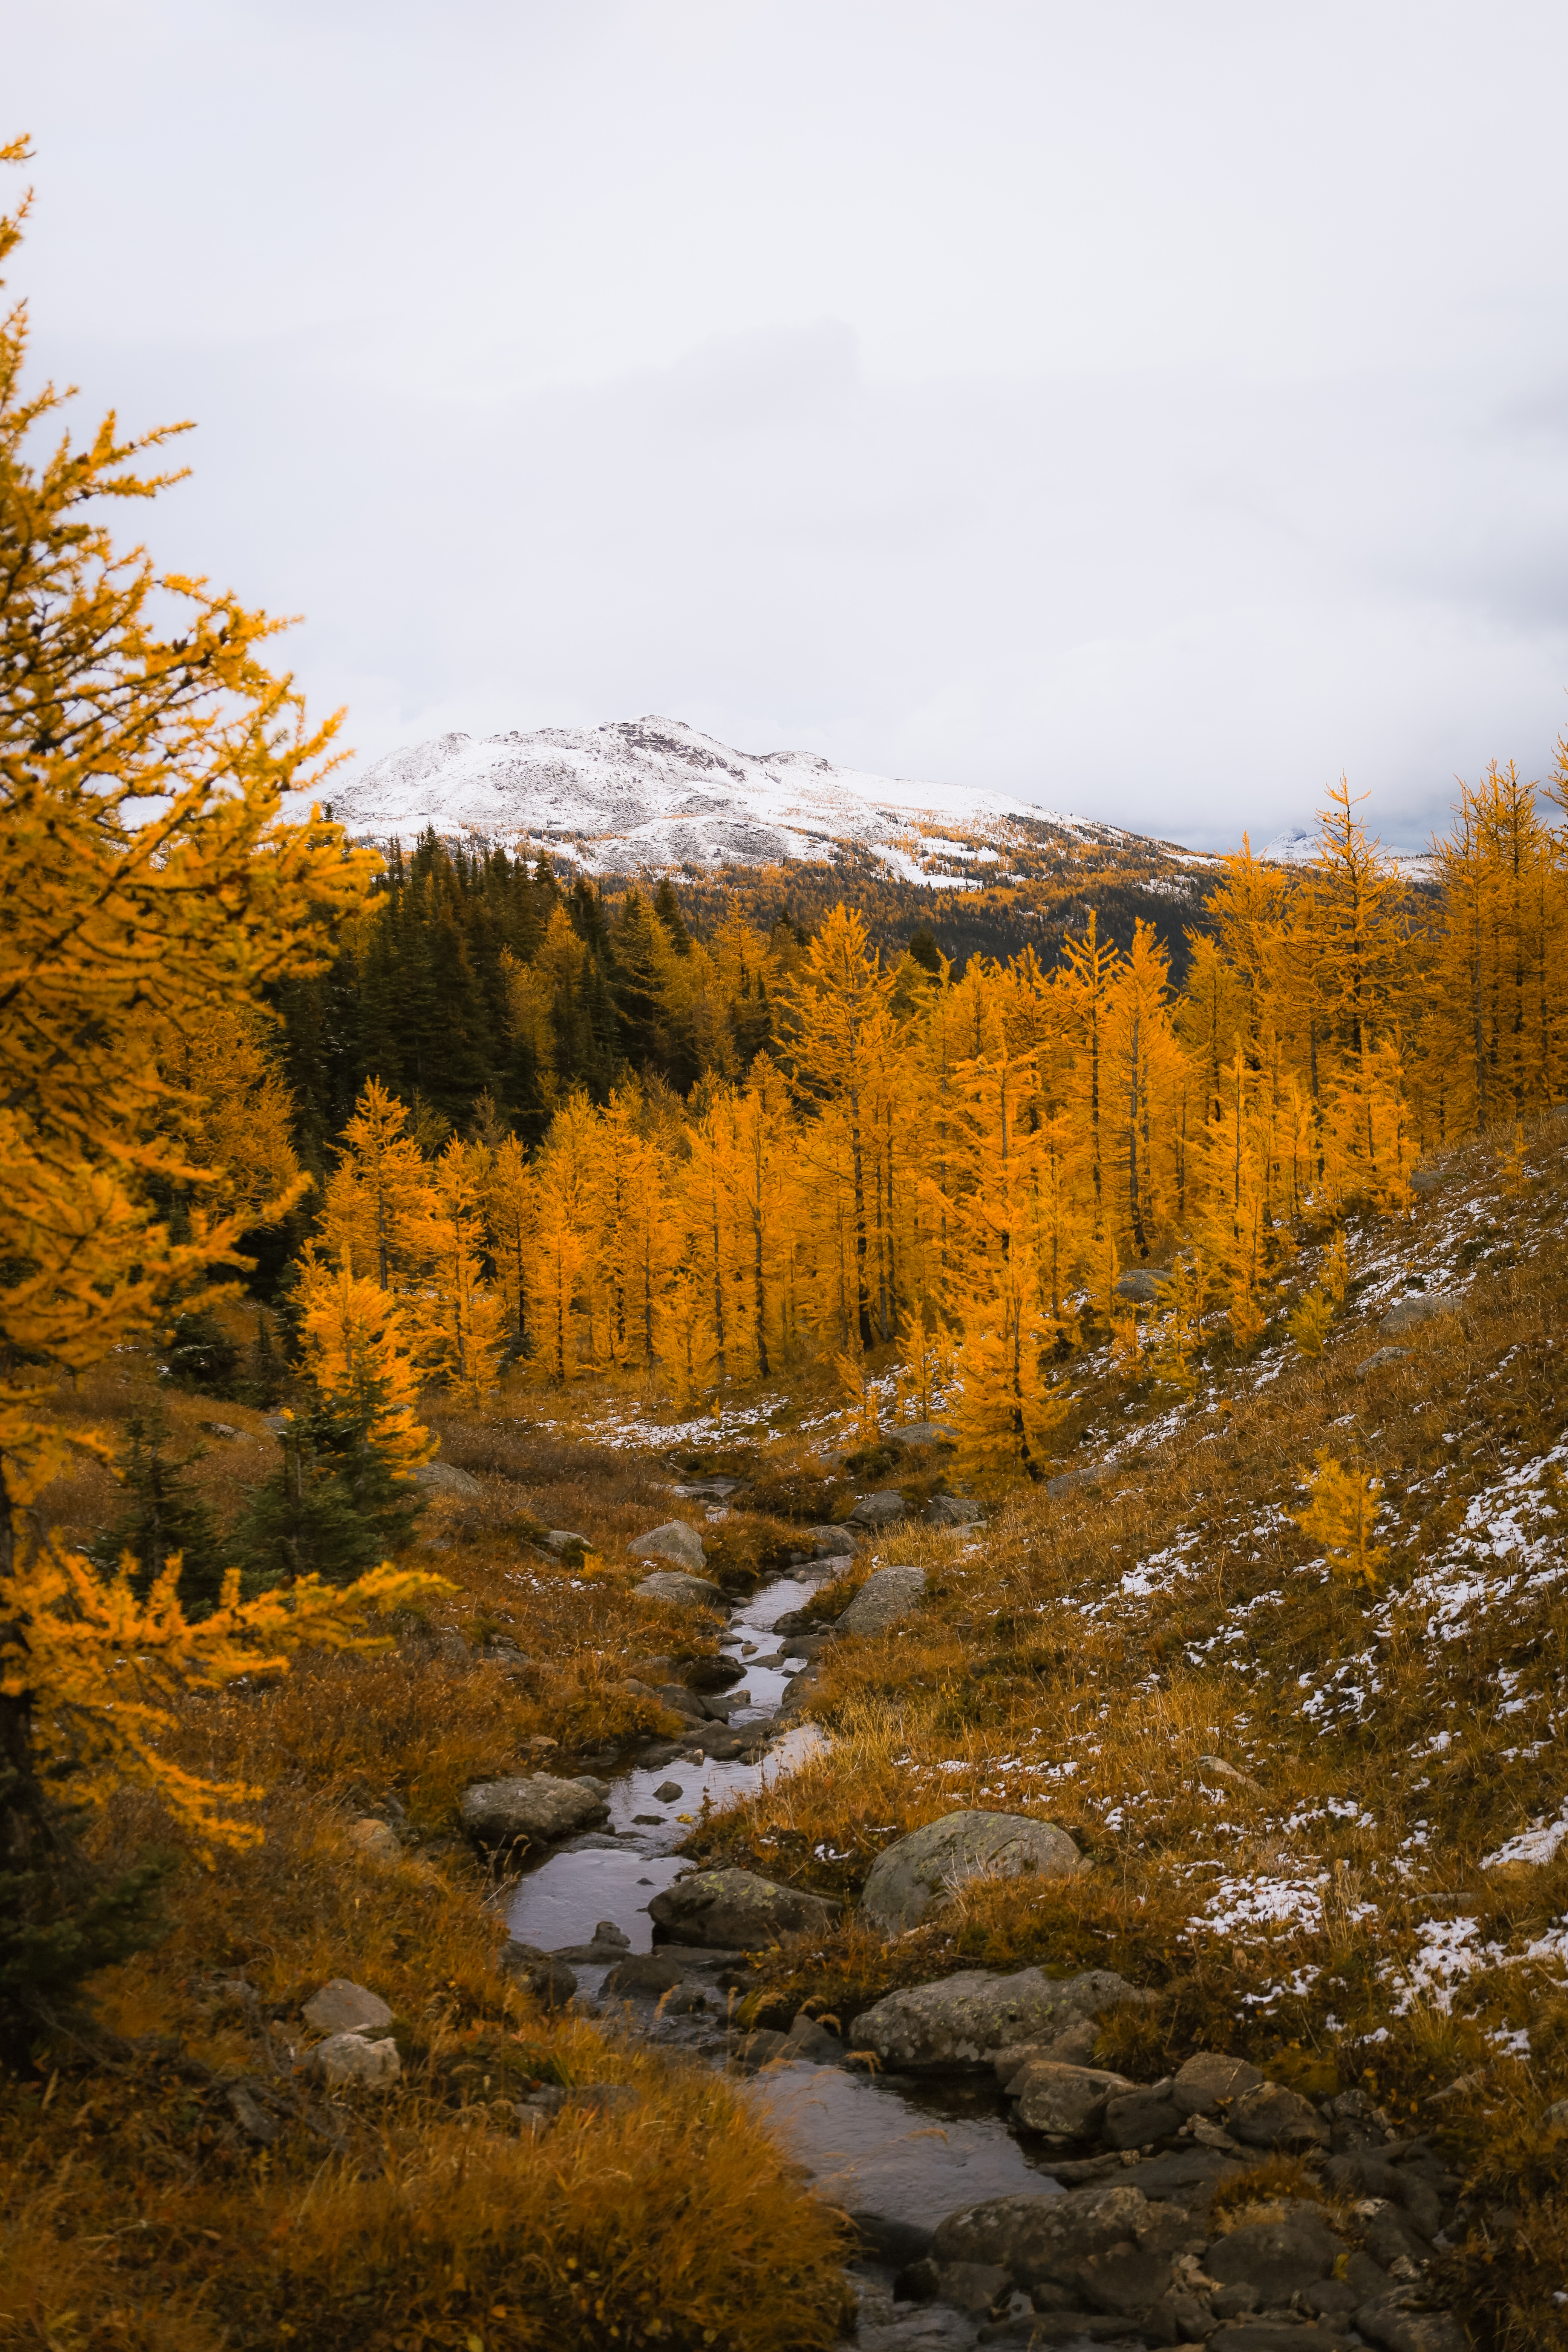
pixel 654 792
pixel 1296 846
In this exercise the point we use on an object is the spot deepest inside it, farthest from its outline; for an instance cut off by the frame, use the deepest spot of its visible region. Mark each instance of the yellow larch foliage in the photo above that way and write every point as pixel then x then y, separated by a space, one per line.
pixel 379 1199
pixel 1342 1517
pixel 460 1318
pixel 355 1353
pixel 151 890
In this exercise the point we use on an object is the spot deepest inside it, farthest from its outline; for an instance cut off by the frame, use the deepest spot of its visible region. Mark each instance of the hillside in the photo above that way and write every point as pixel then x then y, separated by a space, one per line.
pixel 1324 1827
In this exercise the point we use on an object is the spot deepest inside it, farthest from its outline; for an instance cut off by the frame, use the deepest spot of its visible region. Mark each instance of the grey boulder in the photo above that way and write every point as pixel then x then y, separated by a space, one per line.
pixel 883 1599
pixel 960 2023
pixel 921 1433
pixel 654 1972
pixel 543 1974
pixel 915 1872
pixel 560 1539
pixel 1062 2101
pixel 832 1543
pixel 532 1806
pixel 738 1910
pixel 952 1511
pixel 446 1478
pixel 348 2059
pixel 1389 2321
pixel 1278 2258
pixel 677 1541
pixel 1207 2079
pixel 1068 1480
pixel 344 2007
pixel 1139 2118
pixel 681 1701
pixel 1142 1283
pixel 880 1510
pixel 678 1590
pixel 1271 2117
pixel 1424 1307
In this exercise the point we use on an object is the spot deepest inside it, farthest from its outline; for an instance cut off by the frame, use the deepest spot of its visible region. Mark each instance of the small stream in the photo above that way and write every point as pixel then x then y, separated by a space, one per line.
pixel 897 2153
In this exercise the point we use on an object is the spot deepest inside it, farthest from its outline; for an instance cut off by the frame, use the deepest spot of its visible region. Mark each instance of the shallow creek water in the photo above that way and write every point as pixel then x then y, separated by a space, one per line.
pixel 903 2152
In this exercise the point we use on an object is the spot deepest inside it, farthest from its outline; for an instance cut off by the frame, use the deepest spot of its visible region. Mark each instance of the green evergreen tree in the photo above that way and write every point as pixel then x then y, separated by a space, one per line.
pixel 165 1515
pixel 667 907
pixel 201 1356
pixel 331 1507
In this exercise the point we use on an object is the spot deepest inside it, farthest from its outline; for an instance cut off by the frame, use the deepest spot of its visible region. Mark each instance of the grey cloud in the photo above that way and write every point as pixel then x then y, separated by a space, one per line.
pixel 1152 427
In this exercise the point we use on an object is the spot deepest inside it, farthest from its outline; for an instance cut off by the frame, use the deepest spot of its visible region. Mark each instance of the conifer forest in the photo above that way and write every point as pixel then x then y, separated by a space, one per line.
pixel 752 1611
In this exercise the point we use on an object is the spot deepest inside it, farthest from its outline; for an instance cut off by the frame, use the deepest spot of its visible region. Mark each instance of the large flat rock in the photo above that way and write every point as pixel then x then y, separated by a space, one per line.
pixel 917 1872
pixel 736 1908
pixel 530 1805
pixel 960 2022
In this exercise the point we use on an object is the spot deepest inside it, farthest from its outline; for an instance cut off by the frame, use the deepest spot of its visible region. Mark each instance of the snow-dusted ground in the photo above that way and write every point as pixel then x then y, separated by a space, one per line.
pixel 654 792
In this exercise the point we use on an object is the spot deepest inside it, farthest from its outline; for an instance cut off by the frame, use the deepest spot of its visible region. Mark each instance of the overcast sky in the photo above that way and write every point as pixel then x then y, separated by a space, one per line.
pixel 1149 409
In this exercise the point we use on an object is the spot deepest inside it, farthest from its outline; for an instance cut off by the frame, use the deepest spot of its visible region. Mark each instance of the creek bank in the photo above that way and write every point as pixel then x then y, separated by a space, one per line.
pixel 1003 2188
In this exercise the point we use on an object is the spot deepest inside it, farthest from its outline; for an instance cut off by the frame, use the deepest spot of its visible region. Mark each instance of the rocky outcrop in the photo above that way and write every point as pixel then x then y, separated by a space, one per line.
pixel 960 2023
pixel 738 1910
pixel 530 1807
pixel 909 1877
pixel 890 1594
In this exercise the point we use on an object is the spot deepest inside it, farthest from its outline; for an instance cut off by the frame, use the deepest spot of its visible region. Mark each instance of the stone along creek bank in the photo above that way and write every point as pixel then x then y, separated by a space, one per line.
pixel 1004 2189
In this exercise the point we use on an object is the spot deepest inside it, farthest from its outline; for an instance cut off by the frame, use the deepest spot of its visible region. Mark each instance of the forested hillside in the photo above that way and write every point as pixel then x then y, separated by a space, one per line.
pixel 709 1161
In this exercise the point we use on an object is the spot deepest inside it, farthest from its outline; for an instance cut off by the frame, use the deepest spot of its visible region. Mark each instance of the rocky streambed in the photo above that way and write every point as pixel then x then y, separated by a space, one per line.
pixel 1005 2188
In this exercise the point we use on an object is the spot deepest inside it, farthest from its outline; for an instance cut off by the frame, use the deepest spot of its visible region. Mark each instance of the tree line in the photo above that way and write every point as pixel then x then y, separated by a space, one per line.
pixel 966 1166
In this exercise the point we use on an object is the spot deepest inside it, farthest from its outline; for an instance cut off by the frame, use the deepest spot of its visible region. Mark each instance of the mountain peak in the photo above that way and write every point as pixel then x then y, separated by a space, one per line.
pixel 656 793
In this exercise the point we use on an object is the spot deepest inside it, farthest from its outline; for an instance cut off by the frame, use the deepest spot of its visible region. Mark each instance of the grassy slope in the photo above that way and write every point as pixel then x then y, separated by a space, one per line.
pixel 1339 1921
pixel 1356 1917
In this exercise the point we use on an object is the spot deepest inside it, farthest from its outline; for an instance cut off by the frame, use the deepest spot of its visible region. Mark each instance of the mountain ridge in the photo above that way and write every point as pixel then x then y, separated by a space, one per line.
pixel 654 792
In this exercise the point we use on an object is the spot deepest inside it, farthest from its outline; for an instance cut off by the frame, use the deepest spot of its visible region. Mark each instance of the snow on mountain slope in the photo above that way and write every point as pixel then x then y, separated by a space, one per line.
pixel 655 792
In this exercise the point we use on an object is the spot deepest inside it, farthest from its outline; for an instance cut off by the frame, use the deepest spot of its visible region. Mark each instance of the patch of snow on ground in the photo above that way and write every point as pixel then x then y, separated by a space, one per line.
pixel 1238 1903
pixel 1448 1952
pixel 1537 1845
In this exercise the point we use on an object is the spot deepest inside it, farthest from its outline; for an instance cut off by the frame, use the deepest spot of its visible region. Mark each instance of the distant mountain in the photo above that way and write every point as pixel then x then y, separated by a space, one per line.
pixel 1296 846
pixel 653 793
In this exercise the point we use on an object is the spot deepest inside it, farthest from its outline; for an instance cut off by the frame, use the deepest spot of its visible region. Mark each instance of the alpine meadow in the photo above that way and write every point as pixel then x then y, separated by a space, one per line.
pixel 721 1632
